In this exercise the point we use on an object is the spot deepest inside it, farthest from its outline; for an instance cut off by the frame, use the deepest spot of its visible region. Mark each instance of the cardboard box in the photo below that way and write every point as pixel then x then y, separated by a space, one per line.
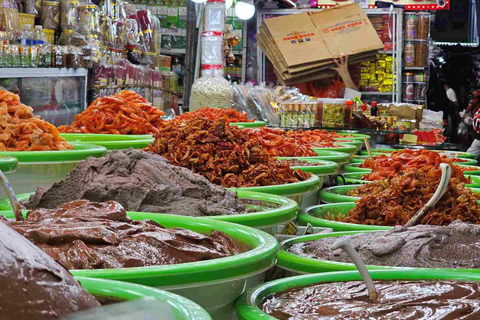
pixel 302 46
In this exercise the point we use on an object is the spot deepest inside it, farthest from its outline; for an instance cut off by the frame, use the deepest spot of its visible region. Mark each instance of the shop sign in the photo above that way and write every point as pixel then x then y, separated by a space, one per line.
pixel 411 5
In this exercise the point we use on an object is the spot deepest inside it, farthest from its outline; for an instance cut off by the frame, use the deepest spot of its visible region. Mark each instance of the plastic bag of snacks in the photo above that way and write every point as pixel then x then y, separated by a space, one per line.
pixel 258 99
pixel 211 91
pixel 68 14
pixel 88 20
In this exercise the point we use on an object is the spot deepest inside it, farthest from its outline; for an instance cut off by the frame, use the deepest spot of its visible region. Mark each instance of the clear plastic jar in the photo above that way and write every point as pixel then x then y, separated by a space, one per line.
pixel 51 15
pixel 409 54
pixel 88 21
pixel 334 113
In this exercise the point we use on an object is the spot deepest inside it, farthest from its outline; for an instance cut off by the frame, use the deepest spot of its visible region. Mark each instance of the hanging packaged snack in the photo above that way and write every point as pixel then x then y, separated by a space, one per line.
pixel 88 20
pixel 423 26
pixel 68 16
pixel 410 26
pixel 409 54
pixel 51 15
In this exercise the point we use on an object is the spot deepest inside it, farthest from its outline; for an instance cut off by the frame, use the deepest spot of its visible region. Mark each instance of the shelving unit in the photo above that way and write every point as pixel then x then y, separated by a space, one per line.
pixel 55 94
pixel 396 52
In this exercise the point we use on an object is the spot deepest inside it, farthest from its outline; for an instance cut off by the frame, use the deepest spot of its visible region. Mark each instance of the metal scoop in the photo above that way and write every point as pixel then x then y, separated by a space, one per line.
pixel 347 247
pixel 11 196
pixel 441 189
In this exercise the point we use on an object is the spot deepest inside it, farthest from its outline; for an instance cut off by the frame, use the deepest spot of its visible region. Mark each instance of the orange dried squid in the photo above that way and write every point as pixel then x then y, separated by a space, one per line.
pixel 20 130
pixel 123 113
pixel 214 114
pixel 224 154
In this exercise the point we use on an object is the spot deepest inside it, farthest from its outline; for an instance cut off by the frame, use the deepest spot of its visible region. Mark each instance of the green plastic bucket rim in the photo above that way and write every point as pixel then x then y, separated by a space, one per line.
pixel 343 147
pixel 183 308
pixel 239 266
pixel 289 189
pixel 293 262
pixel 88 137
pixel 327 168
pixel 306 216
pixel 270 217
pixel 248 304
pixel 8 163
pixel 255 124
pixel 450 153
pixel 469 162
pixel 266 218
pixel 329 195
pixel 328 155
pixel 81 151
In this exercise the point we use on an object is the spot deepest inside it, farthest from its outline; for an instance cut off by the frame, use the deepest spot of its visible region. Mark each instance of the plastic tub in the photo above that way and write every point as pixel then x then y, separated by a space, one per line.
pixel 356 178
pixel 327 168
pixel 452 154
pixel 339 157
pixel 295 191
pixel 111 141
pixel 249 304
pixel 223 279
pixel 43 168
pixel 352 135
pixel 182 308
pixel 342 147
pixel 355 168
pixel 337 194
pixel 265 220
pixel 358 143
pixel 315 215
pixel 8 163
pixel 255 124
pixel 304 265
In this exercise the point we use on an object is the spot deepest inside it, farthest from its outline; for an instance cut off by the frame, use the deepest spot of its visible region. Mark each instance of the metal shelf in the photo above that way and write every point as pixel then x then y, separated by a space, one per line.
pixel 376 93
pixel 41 72
pixel 414 68
pixel 172 52
pixel 381 51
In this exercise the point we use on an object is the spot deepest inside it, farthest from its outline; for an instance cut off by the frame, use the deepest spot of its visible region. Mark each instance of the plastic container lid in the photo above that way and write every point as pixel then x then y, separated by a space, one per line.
pixel 7 163
pixel 182 308
pixel 80 151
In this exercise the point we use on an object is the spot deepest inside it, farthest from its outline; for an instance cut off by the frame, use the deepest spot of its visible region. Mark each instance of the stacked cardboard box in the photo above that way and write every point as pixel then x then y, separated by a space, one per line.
pixel 302 46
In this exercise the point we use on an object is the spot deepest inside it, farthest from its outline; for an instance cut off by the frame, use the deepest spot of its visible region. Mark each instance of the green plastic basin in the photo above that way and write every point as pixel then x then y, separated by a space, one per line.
pixel 327 167
pixel 358 143
pixel 317 217
pixel 213 284
pixel 256 124
pixel 43 168
pixel 294 191
pixel 356 178
pixel 339 157
pixel 8 163
pixel 338 194
pixel 298 264
pixel 265 220
pixel 111 141
pixel 343 147
pixel 453 154
pixel 250 303
pixel 182 308
pixel 354 136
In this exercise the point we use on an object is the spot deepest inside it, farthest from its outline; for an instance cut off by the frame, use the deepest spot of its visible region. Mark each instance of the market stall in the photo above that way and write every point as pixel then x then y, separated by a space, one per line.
pixel 248 205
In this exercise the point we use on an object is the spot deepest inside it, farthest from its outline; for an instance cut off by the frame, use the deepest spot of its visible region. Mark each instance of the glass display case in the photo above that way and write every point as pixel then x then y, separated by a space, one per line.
pixel 57 95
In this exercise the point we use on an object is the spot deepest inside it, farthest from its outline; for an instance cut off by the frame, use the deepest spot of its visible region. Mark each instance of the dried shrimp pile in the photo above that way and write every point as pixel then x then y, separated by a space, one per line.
pixel 393 201
pixel 20 130
pixel 383 166
pixel 123 113
pixel 214 114
pixel 278 144
pixel 224 154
